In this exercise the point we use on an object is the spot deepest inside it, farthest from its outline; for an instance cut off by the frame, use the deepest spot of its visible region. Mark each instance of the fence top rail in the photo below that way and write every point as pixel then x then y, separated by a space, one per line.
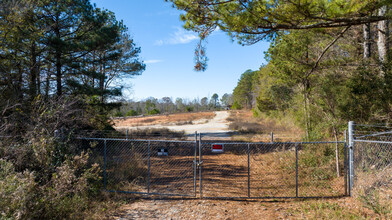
pixel 213 141
pixel 131 140
pixel 371 141
pixel 273 143
pixel 375 134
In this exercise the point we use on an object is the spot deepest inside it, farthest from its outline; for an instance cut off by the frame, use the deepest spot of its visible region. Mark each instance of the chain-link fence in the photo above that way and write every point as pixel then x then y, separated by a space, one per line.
pixel 372 158
pixel 234 170
pixel 145 166
pixel 273 170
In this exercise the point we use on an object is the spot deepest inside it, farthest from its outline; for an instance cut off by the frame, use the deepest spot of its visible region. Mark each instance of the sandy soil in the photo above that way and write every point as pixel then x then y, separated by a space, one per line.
pixel 218 125
pixel 206 209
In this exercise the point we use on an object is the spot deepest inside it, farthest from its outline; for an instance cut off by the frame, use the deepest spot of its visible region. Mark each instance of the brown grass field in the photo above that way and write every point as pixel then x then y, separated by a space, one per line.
pixel 170 119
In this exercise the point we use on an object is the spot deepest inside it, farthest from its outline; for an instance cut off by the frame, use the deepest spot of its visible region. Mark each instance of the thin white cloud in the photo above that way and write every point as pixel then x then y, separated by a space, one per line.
pixel 152 61
pixel 179 37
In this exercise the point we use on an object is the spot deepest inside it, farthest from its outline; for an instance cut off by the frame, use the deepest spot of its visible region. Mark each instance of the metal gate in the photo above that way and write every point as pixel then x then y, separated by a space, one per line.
pixel 150 167
pixel 236 170
pixel 272 170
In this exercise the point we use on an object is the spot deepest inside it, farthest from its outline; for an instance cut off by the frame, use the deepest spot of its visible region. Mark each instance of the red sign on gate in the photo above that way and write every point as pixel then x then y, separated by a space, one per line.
pixel 217 148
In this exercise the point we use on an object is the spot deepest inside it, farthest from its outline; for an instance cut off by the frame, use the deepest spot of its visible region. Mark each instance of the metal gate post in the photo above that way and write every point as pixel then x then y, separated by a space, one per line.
pixel 149 165
pixel 345 164
pixel 200 167
pixel 195 165
pixel 248 171
pixel 351 154
pixel 104 164
pixel 296 170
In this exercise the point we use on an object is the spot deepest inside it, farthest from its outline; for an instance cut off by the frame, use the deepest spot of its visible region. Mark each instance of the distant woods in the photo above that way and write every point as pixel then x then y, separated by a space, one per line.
pixel 59 50
pixel 151 106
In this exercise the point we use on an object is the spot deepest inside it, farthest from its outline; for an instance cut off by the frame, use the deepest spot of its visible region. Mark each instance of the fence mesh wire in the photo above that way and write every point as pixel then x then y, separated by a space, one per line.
pixel 242 170
pixel 265 170
pixel 322 170
pixel 372 158
pixel 145 166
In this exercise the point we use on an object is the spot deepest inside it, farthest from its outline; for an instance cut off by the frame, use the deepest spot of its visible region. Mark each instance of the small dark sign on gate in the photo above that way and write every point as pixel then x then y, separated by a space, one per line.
pixel 217 148
pixel 163 152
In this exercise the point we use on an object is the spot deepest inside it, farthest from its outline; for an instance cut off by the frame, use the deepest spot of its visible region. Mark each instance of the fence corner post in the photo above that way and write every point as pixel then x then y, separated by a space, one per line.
pixel 272 137
pixel 351 133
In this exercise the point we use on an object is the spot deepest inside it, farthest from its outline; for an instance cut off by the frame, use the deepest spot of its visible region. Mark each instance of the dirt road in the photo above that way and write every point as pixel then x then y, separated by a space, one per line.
pixel 206 209
pixel 217 126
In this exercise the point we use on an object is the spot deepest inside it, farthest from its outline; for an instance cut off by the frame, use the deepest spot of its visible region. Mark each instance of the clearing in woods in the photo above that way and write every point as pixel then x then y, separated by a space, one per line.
pixel 213 123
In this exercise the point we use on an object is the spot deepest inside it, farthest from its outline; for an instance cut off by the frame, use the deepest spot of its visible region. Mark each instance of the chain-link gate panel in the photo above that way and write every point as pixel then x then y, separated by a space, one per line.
pixel 172 168
pixel 321 170
pixel 224 174
pixel 272 170
pixel 146 166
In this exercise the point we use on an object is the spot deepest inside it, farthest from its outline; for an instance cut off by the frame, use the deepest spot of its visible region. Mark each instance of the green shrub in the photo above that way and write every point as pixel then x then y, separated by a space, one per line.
pixel 189 109
pixel 154 112
pixel 66 196
pixel 131 113
pixel 236 106
pixel 118 114
pixel 16 192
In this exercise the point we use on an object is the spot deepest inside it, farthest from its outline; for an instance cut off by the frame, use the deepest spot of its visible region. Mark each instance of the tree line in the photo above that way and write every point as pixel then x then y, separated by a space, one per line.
pixel 151 106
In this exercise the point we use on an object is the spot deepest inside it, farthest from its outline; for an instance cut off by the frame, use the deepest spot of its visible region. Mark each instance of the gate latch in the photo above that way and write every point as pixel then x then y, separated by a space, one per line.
pixel 198 163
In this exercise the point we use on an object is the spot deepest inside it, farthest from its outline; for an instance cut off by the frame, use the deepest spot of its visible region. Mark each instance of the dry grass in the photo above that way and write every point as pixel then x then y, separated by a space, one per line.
pixel 154 133
pixel 172 119
pixel 259 129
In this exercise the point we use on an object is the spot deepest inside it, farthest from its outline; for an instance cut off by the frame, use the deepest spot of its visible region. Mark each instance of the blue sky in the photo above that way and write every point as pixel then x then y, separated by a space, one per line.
pixel 167 49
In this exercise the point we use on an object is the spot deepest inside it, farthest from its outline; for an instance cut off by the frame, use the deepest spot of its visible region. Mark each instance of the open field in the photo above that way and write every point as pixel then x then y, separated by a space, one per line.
pixel 171 119
pixel 208 123
pixel 238 125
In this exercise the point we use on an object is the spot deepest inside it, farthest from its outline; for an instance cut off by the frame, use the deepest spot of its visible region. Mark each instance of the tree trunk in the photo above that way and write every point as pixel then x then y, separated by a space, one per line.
pixel 383 35
pixel 367 41
pixel 58 48
pixel 58 73
pixel 33 72
pixel 47 82
pixel 306 113
pixel 38 76
pixel 102 78
pixel 20 82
